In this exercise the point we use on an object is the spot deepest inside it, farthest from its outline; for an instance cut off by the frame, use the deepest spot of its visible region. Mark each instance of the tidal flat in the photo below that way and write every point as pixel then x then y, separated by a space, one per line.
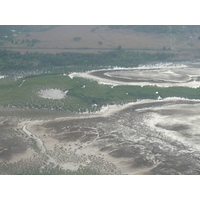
pixel 103 128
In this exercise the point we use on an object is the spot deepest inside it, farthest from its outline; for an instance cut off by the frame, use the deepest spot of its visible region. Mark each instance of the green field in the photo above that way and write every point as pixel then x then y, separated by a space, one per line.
pixel 82 94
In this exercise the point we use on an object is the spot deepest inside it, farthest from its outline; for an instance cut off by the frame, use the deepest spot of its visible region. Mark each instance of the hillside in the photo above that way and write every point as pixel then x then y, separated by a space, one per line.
pixel 183 40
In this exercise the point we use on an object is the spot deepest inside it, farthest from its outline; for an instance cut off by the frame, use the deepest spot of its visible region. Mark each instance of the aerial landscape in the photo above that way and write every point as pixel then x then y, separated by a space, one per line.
pixel 99 100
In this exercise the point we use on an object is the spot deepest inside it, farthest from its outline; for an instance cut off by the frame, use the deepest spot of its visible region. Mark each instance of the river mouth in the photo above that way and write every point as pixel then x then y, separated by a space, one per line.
pixel 161 75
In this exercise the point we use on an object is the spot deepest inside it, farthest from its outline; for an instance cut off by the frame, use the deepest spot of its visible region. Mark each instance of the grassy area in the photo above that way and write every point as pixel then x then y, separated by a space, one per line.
pixel 82 94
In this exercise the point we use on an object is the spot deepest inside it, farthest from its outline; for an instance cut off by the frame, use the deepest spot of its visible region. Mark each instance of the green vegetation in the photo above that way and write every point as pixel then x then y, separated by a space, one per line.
pixel 82 94
pixel 10 60
pixel 8 30
pixel 76 39
pixel 158 28
pixel 30 42
pixel 23 93
pixel 100 42
pixel 143 28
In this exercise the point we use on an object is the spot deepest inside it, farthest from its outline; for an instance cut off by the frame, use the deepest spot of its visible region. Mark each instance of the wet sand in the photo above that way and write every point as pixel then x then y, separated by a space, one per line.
pixel 161 75
pixel 125 140
pixel 52 94
pixel 143 137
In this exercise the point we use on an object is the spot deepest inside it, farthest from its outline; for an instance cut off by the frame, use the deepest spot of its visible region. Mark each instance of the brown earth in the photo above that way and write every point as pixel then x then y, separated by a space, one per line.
pixel 102 38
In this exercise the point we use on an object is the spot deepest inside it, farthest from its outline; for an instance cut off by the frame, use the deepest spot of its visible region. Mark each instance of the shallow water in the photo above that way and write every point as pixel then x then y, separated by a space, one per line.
pixel 161 75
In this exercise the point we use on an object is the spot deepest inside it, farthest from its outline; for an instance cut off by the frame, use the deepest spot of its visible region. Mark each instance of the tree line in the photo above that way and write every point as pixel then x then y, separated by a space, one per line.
pixel 172 29
pixel 12 60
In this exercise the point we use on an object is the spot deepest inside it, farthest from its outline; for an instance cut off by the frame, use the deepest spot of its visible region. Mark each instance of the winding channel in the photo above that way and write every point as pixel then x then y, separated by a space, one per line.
pixel 40 145
pixel 161 75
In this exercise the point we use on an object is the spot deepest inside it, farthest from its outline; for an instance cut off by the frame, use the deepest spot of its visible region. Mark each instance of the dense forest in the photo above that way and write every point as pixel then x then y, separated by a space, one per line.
pixel 11 60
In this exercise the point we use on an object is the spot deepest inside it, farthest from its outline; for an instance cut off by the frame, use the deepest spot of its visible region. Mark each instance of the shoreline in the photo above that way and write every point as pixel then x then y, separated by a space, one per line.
pixel 104 77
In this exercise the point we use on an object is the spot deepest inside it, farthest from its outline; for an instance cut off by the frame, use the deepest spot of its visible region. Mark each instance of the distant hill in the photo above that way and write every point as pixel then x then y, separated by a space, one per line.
pixel 183 40
pixel 8 30
pixel 158 28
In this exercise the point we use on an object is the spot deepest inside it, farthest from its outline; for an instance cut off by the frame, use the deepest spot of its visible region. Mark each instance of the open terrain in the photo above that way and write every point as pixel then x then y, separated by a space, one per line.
pixel 139 138
pixel 94 39
pixel 98 123
pixel 99 100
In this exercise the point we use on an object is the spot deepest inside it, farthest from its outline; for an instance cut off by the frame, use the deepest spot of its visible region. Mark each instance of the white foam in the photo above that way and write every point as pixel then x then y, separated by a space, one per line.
pixel 184 115
pixel 172 75
pixel 2 77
